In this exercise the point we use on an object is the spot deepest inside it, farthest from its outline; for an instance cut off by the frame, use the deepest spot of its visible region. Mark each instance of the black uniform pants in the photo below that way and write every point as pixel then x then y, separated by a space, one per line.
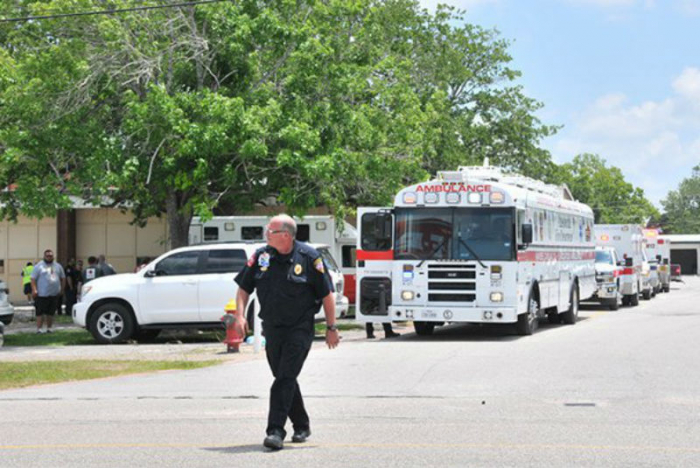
pixel 369 328
pixel 286 351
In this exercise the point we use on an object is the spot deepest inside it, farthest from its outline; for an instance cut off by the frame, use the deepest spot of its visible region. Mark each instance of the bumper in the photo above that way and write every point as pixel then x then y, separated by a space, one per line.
pixel 80 313
pixel 7 313
pixel 605 291
pixel 449 314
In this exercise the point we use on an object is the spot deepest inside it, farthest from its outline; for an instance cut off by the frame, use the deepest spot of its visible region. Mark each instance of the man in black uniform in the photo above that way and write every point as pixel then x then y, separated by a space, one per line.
pixel 291 282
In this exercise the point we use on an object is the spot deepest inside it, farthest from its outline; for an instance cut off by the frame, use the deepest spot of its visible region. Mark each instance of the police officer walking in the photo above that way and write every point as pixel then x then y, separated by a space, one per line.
pixel 291 282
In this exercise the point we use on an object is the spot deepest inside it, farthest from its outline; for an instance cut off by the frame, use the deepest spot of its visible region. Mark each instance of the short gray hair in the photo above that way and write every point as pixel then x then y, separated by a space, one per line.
pixel 288 224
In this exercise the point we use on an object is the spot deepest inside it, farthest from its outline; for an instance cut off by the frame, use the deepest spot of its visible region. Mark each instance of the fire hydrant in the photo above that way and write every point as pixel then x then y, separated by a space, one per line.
pixel 234 330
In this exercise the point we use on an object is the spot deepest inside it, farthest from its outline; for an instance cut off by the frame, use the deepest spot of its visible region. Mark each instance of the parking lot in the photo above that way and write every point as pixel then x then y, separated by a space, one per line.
pixel 616 389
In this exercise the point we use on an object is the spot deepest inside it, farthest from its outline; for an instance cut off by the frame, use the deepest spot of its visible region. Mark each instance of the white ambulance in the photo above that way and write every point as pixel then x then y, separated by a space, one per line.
pixel 627 240
pixel 663 247
pixel 475 245
pixel 315 229
pixel 653 247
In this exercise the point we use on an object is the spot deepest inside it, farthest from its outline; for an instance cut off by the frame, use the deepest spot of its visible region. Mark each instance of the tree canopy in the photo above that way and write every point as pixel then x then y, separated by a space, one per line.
pixel 173 111
pixel 604 188
pixel 682 206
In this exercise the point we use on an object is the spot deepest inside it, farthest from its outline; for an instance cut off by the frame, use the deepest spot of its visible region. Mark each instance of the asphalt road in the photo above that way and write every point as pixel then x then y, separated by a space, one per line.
pixel 616 389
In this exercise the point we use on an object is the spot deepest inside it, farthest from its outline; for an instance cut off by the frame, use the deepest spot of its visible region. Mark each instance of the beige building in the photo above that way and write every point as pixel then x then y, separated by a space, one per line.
pixel 82 233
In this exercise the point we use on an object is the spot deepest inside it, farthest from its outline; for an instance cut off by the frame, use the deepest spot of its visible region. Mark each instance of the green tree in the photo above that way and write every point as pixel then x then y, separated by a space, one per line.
pixel 682 206
pixel 173 111
pixel 603 188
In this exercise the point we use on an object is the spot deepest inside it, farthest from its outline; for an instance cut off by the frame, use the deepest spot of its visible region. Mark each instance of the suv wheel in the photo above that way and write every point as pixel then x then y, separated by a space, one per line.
pixel 111 323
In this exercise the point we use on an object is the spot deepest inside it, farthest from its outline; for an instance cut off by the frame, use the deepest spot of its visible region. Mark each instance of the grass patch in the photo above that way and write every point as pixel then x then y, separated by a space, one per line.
pixel 71 336
pixel 24 374
pixel 320 328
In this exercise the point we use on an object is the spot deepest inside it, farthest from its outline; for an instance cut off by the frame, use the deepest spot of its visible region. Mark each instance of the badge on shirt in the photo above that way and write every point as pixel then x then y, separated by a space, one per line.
pixel 297 269
pixel 264 261
pixel 318 264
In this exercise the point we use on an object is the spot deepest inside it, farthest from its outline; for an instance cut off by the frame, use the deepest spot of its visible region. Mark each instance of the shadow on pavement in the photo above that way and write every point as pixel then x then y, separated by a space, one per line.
pixel 256 448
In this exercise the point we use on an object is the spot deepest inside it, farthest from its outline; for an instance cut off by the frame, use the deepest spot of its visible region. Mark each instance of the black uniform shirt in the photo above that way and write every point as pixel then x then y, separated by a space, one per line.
pixel 290 287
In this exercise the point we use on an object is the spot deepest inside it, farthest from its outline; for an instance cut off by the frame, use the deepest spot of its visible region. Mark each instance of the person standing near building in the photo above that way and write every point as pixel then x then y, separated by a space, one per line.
pixel 106 268
pixel 291 282
pixel 48 283
pixel 27 281
pixel 91 271
pixel 73 280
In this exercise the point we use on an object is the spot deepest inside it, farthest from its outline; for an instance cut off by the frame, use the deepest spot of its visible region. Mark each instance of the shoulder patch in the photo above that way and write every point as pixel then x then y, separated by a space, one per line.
pixel 251 260
pixel 318 264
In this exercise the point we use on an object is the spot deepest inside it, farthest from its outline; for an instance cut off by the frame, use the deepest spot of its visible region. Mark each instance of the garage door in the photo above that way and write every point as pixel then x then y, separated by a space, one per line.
pixel 688 260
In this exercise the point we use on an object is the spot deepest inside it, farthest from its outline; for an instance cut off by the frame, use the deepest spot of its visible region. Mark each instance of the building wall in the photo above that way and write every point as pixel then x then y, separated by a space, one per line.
pixel 98 231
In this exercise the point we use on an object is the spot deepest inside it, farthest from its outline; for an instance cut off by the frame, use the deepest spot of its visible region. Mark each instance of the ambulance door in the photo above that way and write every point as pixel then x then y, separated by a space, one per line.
pixel 195 234
pixel 375 253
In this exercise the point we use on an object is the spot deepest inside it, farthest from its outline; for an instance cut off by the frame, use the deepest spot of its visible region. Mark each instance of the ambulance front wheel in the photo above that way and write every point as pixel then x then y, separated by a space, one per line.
pixel 528 322
pixel 424 328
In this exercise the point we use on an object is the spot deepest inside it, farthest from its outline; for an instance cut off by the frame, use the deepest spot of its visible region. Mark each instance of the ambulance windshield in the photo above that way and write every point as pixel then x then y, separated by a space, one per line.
pixel 450 233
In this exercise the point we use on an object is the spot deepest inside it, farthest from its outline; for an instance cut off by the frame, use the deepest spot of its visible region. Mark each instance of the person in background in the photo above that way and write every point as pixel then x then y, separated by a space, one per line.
pixel 27 281
pixel 388 331
pixel 73 280
pixel 107 269
pixel 48 283
pixel 92 271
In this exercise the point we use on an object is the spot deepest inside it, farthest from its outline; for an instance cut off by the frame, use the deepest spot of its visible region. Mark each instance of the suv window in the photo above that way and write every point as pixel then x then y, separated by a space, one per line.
pixel 328 259
pixel 225 261
pixel 181 263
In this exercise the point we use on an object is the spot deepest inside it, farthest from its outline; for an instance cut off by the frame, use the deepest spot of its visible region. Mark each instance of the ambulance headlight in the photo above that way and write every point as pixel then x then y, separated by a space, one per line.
pixel 496 296
pixel 474 198
pixel 409 198
pixel 407 295
pixel 431 197
pixel 497 197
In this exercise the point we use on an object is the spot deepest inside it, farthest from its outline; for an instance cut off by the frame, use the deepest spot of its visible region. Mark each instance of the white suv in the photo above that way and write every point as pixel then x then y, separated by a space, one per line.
pixel 184 288
pixel 7 312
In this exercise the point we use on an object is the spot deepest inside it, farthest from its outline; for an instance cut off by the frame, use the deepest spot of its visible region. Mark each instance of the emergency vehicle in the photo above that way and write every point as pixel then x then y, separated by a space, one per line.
pixel 607 276
pixel 627 240
pixel 475 245
pixel 658 250
pixel 317 229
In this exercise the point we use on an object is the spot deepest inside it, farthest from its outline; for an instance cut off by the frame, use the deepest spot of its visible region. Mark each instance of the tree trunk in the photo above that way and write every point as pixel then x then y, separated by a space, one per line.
pixel 178 221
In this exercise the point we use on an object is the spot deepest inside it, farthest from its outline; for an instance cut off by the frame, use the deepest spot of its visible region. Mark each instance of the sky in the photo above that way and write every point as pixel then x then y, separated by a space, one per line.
pixel 621 76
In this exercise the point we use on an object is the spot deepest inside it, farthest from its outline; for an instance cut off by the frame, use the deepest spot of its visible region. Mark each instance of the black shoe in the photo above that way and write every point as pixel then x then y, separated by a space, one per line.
pixel 301 436
pixel 392 335
pixel 274 442
pixel 370 337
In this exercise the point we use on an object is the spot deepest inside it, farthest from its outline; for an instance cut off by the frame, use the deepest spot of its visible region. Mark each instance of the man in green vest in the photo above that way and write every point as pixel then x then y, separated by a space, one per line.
pixel 27 281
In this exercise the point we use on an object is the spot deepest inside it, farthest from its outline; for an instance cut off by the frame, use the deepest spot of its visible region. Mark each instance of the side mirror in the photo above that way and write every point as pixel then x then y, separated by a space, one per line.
pixel 153 273
pixel 526 234
pixel 629 261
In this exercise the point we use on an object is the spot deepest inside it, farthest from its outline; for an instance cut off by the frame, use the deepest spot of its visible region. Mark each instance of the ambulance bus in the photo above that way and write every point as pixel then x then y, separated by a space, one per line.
pixel 476 245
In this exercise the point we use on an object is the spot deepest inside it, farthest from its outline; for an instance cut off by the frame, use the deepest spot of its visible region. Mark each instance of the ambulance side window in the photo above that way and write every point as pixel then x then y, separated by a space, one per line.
pixel 370 239
pixel 303 232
